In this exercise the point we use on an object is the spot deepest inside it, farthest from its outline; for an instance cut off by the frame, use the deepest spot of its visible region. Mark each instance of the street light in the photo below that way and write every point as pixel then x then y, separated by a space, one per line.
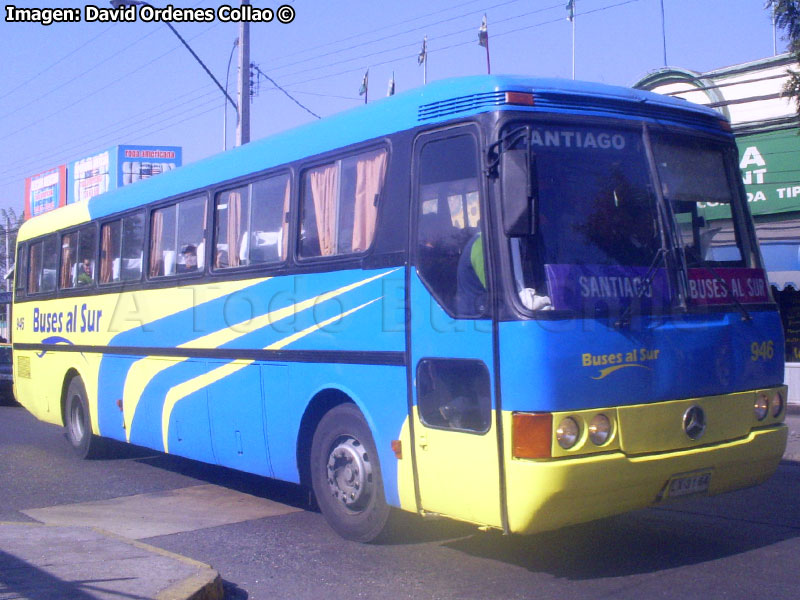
pixel 119 3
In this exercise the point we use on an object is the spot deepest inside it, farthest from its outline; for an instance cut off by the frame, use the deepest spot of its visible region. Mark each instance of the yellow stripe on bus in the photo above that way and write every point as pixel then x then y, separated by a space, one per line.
pixel 144 370
pixel 182 390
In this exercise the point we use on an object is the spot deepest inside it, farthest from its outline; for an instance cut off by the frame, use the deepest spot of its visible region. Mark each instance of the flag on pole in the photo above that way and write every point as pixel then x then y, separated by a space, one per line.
pixel 571 10
pixel 390 91
pixel 362 91
pixel 483 34
pixel 423 55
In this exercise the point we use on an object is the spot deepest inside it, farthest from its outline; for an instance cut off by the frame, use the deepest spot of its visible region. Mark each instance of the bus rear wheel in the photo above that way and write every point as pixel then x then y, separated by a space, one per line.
pixel 346 475
pixel 77 422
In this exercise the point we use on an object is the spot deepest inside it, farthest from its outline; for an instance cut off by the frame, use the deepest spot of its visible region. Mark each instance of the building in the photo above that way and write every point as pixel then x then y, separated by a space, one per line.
pixel 767 131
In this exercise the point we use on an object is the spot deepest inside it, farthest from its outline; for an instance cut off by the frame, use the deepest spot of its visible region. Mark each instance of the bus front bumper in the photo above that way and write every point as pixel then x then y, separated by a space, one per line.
pixel 546 495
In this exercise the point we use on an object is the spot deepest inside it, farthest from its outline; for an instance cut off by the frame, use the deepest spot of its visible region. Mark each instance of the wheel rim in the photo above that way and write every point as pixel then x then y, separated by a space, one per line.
pixel 76 427
pixel 350 473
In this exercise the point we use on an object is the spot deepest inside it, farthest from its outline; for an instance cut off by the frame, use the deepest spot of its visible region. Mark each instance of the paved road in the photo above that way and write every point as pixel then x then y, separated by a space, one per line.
pixel 741 545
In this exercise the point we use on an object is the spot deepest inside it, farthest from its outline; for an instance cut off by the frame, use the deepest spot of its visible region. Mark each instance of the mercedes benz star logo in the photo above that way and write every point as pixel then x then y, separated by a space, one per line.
pixel 694 422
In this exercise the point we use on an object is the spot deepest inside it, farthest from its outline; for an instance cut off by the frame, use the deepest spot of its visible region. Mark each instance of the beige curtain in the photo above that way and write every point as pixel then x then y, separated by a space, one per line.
pixel 106 254
pixel 35 268
pixel 67 262
pixel 156 231
pixel 370 172
pixel 285 223
pixel 324 183
pixel 234 227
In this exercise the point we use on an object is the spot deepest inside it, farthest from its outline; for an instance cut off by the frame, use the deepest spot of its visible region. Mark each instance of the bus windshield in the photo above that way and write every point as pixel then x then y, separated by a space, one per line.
pixel 598 225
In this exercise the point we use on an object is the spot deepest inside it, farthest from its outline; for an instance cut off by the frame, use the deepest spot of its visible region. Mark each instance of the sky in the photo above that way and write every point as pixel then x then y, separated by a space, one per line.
pixel 70 90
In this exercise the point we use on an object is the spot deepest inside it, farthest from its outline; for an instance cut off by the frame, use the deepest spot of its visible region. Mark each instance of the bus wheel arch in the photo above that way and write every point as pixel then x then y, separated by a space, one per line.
pixel 345 473
pixel 77 418
pixel 71 374
pixel 322 402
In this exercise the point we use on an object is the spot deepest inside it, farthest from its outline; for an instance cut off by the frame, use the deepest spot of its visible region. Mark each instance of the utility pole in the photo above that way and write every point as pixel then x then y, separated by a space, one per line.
pixel 243 129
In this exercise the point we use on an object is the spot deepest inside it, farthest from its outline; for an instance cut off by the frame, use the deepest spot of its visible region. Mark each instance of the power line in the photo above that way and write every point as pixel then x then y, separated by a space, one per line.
pixel 292 98
pixel 91 143
pixel 415 43
pixel 56 63
pixel 457 45
pixel 39 120
pixel 415 29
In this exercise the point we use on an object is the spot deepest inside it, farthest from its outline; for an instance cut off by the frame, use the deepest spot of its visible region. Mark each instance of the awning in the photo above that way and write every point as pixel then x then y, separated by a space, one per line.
pixel 782 262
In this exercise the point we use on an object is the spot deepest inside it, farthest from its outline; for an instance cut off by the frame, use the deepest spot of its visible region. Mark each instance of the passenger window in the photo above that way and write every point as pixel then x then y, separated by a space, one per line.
pixel 252 223
pixel 340 205
pixel 450 256
pixel 122 249
pixel 21 268
pixel 43 265
pixel 77 258
pixel 177 238
pixel 454 394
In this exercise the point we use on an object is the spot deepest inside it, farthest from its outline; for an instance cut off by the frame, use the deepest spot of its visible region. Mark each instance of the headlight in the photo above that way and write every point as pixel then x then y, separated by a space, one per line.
pixel 761 406
pixel 568 433
pixel 599 430
pixel 776 404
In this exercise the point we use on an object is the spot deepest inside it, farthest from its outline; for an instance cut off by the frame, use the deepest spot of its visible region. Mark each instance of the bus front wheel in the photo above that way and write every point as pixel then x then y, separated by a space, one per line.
pixel 77 422
pixel 346 475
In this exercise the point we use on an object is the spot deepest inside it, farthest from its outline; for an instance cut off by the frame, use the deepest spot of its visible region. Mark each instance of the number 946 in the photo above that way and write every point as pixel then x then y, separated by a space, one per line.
pixel 762 350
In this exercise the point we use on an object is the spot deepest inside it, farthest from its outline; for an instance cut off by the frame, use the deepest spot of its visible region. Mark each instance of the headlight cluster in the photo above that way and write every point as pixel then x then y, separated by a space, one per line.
pixel 568 432
pixel 768 403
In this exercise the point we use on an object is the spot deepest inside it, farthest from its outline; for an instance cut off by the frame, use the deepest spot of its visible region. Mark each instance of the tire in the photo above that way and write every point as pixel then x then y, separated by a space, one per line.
pixel 77 421
pixel 346 475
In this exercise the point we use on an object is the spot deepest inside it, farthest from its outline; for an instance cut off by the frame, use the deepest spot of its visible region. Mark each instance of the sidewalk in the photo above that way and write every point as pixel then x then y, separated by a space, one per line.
pixel 80 563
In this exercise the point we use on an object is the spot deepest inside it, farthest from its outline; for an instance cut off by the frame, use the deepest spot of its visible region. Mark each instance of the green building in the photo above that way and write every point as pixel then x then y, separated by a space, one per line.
pixel 767 132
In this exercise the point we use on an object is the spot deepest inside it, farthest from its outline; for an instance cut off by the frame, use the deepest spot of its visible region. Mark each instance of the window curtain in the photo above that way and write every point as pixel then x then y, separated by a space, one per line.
pixel 67 262
pixel 35 270
pixel 157 231
pixel 324 190
pixel 370 172
pixel 106 255
pixel 234 227
pixel 285 224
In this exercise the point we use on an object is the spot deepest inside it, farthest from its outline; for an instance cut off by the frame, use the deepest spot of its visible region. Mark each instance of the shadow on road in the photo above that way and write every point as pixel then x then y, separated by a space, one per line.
pixel 652 540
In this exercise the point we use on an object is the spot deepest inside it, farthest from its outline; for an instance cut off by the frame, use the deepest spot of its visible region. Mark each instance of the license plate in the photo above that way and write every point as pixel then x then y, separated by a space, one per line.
pixel 688 484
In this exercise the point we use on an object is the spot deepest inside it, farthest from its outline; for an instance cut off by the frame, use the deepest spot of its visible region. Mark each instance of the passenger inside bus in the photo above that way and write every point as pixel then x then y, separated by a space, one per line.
pixel 189 253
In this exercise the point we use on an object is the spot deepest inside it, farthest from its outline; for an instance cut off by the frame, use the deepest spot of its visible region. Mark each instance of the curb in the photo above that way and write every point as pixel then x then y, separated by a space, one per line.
pixel 792 408
pixel 206 584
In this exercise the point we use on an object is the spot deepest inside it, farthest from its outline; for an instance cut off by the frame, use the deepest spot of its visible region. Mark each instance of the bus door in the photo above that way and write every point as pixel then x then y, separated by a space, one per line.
pixel 455 436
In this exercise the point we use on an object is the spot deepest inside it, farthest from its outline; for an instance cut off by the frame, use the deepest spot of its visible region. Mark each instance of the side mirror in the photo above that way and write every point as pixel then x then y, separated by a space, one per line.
pixel 517 178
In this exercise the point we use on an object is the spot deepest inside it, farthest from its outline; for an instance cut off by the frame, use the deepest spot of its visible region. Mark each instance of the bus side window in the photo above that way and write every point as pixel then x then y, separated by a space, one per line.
pixel 454 394
pixel 340 205
pixel 269 225
pixel 132 247
pixel 35 268
pixel 177 232
pixel 449 244
pixel 21 268
pixel 77 258
pixel 43 265
pixel 121 249
pixel 110 251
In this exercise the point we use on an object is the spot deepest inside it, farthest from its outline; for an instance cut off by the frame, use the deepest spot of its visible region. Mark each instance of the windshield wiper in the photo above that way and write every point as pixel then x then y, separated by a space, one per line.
pixel 625 319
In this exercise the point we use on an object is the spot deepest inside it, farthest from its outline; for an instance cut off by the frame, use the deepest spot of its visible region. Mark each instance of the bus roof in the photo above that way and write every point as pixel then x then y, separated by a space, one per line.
pixel 436 102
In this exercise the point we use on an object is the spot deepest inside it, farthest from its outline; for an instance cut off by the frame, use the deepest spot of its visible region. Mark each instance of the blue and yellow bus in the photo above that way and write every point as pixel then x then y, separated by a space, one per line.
pixel 520 303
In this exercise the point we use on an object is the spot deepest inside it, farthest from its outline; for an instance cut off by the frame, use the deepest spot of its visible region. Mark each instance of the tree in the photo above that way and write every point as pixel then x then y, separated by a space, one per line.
pixel 10 223
pixel 787 18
